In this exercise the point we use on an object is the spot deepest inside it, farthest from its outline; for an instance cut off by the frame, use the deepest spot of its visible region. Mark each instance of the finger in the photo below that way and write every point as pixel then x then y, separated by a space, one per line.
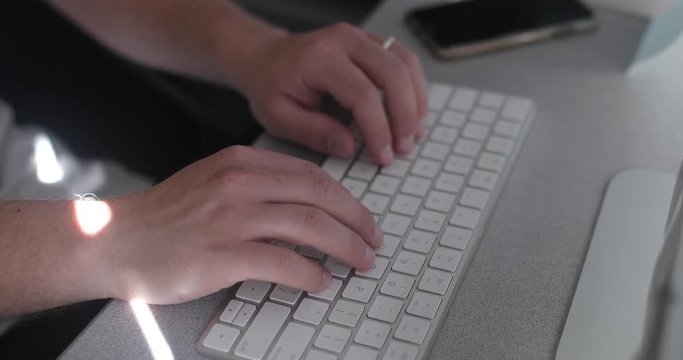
pixel 313 129
pixel 353 90
pixel 311 226
pixel 389 73
pixel 259 261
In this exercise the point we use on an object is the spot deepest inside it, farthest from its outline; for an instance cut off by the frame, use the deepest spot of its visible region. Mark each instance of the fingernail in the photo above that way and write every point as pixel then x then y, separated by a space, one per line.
pixel 327 279
pixel 369 256
pixel 378 239
pixel 386 155
pixel 407 143
pixel 335 146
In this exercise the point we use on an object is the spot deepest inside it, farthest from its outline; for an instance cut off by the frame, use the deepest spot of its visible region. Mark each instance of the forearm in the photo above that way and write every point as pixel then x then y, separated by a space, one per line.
pixel 45 258
pixel 206 39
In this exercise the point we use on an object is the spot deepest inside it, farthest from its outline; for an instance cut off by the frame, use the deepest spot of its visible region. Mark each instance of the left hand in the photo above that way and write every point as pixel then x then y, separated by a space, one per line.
pixel 286 77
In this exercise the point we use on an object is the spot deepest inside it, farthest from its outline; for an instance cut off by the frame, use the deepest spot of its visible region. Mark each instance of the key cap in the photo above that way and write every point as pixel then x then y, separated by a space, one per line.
pixel 346 313
pixel 377 204
pixel 465 217
pixel 314 354
pixel 311 252
pixel 430 221
pixel 424 305
pixel 356 352
pixel 445 259
pixel 426 168
pixel 406 205
pixel 285 294
pixel 475 131
pixel 332 338
pixel 389 246
pixel 397 285
pixel 440 201
pixel 337 268
pixel 336 167
pixel 474 198
pixel 221 337
pixel 467 148
pixel 377 269
pixel 385 185
pixel 435 281
pixel 435 151
pixel 363 170
pixel 493 162
pixel 507 129
pixel 395 224
pixel 483 179
pixel 414 185
pixel 262 331
pixel 292 342
pixel 420 241
pixel 458 165
pixel 359 289
pixel 399 350
pixel 500 145
pixel 243 316
pixel 355 187
pixel 385 308
pixel 516 108
pixel 491 99
pixel 463 99
pixel 449 182
pixel 372 333
pixel 430 120
pixel 453 118
pixel 412 329
pixel 408 262
pixel 444 134
pixel 483 116
pixel 311 311
pixel 456 237
pixel 438 95
pixel 398 168
pixel 328 293
pixel 253 290
pixel 233 308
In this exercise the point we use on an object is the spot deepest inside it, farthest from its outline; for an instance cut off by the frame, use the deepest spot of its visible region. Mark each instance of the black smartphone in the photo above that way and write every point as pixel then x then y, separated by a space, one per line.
pixel 470 27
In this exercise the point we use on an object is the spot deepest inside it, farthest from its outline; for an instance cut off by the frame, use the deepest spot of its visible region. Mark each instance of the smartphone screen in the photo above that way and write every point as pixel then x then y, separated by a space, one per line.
pixel 474 21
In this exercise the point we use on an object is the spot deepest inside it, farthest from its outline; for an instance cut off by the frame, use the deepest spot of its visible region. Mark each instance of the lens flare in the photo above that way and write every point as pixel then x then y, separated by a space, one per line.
pixel 151 331
pixel 48 169
pixel 92 215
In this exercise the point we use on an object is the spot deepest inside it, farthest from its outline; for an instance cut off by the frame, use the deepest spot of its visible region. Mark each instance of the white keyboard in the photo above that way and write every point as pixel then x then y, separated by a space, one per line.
pixel 432 206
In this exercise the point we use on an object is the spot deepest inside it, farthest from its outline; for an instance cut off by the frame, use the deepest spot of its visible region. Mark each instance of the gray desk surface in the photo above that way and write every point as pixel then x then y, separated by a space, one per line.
pixel 593 121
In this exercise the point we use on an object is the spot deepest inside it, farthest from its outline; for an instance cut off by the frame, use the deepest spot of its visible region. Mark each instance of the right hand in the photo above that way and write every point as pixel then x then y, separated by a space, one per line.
pixel 210 226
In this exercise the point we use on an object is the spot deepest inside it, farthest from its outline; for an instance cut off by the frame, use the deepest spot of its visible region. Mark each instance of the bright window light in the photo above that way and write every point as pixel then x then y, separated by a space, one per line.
pixel 92 215
pixel 151 331
pixel 48 169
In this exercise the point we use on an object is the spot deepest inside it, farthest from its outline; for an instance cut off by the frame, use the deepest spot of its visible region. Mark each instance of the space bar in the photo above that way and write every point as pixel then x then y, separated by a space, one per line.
pixel 262 331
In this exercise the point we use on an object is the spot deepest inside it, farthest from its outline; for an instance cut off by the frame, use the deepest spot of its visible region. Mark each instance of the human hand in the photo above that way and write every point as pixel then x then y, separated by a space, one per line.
pixel 210 226
pixel 286 76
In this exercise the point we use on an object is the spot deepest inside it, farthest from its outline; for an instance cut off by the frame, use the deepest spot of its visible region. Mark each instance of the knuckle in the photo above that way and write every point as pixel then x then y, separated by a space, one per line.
pixel 312 218
pixel 322 186
pixel 233 177
pixel 320 47
pixel 343 29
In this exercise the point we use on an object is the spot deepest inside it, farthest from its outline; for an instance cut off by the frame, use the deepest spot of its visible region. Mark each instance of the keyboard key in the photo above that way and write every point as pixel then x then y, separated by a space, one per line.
pixel 314 354
pixel 483 116
pixel 406 205
pixel 453 118
pixel 285 294
pixel 492 100
pixel 389 246
pixel 328 293
pixel 444 134
pixel 355 187
pixel 397 285
pixel 445 259
pixel 385 308
pixel 377 269
pixel 337 268
pixel 463 99
pixel 417 186
pixel 395 224
pixel 483 179
pixel 430 120
pixel 244 315
pixel 253 290
pixel 332 338
pixel 262 331
pixel 467 148
pixel 456 237
pixel 500 145
pixel 430 221
pixel 507 129
pixel 346 313
pixel 449 182
pixel 465 217
pixel 363 170
pixel 412 329
pixel 425 168
pixel 408 262
pixel 458 165
pixel 356 352
pixel 420 241
pixel 493 162
pixel 398 168
pixel 221 337
pixel 372 333
pixel 359 289
pixel 424 305
pixel 398 350
pixel 230 311
pixel 376 203
pixel 475 131
pixel 435 151
pixel 516 108
pixel 439 201
pixel 311 311
pixel 311 252
pixel 474 198
pixel 292 342
pixel 336 167
pixel 435 281
pixel 386 185
pixel 437 96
